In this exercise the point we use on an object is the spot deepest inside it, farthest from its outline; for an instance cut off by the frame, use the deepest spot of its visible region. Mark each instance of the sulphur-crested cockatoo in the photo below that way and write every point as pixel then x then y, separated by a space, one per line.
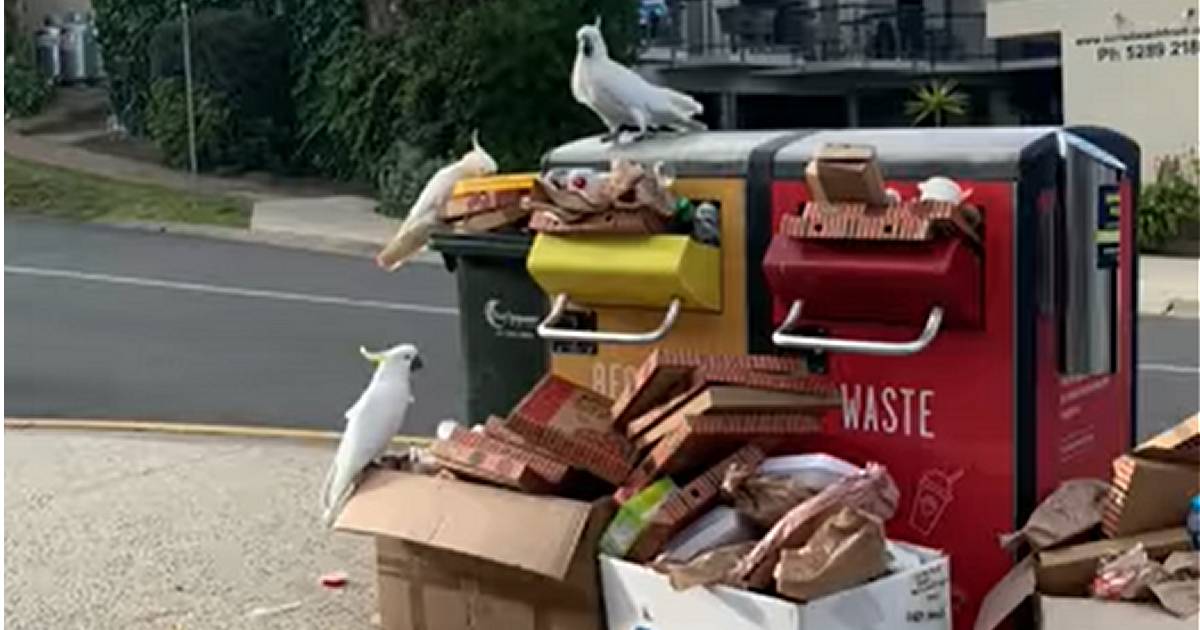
pixel 423 215
pixel 620 97
pixel 371 423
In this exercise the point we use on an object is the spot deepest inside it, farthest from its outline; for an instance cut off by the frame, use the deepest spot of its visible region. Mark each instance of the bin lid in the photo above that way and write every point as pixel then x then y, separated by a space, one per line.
pixel 700 154
pixel 482 245
pixel 971 152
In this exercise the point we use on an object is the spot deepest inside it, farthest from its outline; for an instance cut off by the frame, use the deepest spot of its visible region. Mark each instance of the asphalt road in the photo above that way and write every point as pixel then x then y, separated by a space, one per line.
pixel 109 323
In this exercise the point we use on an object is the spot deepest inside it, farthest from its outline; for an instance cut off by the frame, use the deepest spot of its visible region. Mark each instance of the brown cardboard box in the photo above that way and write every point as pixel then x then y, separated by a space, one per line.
pixel 1148 494
pixel 1080 613
pixel 1067 571
pixel 845 173
pixel 460 555
pixel 576 425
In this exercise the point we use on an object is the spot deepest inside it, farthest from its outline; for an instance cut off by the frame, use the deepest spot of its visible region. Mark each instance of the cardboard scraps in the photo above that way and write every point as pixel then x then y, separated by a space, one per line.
pixel 1068 571
pixel 1072 509
pixel 575 424
pixel 848 549
pixel 467 454
pixel 871 491
pixel 694 499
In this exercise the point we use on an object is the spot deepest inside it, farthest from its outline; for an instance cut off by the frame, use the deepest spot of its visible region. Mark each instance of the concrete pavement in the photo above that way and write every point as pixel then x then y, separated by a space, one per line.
pixel 142 532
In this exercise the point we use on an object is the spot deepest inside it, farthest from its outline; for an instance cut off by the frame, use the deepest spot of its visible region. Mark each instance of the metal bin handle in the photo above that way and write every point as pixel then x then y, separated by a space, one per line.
pixel 546 329
pixel 782 339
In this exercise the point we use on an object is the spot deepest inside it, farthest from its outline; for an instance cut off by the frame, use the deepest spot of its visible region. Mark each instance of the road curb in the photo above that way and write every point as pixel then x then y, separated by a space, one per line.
pixel 290 240
pixel 193 429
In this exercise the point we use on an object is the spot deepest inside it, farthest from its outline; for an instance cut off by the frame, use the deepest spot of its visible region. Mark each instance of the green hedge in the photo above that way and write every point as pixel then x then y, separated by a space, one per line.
pixel 243 59
pixel 502 66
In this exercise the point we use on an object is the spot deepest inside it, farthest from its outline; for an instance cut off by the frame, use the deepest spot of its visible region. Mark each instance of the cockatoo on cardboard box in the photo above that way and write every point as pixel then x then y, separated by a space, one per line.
pixel 371 423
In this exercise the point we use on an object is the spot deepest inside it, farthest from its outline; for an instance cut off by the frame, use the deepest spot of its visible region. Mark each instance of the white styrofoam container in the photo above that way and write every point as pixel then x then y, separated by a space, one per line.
pixel 638 598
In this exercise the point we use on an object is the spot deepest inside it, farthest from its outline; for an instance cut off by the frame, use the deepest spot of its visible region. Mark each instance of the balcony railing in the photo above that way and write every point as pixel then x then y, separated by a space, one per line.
pixel 793 33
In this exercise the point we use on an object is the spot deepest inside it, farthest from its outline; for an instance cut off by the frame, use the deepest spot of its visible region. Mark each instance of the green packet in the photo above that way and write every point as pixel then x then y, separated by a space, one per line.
pixel 633 517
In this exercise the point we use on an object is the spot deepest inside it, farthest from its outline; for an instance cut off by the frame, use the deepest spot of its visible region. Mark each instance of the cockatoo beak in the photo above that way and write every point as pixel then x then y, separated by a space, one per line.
pixel 417 363
pixel 374 357
pixel 597 23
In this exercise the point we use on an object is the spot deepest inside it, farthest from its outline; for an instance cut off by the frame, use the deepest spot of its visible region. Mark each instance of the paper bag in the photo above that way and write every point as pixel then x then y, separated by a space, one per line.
pixel 763 499
pixel 848 549
pixel 708 568
pixel 1072 509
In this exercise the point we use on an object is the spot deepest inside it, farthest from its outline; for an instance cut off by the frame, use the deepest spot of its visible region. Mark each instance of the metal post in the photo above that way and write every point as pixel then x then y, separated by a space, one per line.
pixel 187 82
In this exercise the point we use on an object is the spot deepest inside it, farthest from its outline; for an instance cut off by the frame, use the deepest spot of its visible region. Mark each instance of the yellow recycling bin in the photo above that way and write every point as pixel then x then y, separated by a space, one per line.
pixel 614 299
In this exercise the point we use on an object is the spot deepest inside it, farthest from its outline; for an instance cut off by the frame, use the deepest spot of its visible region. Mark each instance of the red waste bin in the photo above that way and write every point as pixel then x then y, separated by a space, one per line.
pixel 981 374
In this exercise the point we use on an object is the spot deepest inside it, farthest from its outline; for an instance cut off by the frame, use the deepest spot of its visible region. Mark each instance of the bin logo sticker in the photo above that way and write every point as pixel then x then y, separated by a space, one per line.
pixel 935 491
pixel 509 324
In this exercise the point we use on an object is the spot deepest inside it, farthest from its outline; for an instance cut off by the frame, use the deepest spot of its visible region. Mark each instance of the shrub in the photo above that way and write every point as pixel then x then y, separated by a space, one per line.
pixel 26 91
pixel 125 29
pixel 244 59
pixel 401 175
pixel 1171 201
pixel 167 126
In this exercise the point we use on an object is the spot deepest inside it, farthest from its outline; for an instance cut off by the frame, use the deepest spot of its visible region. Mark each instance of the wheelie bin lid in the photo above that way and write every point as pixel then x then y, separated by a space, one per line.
pixel 482 245
pixel 700 154
pixel 987 153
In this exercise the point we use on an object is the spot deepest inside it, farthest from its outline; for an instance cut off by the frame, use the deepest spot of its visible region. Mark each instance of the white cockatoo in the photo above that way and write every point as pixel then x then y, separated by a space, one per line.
pixel 371 423
pixel 423 215
pixel 620 97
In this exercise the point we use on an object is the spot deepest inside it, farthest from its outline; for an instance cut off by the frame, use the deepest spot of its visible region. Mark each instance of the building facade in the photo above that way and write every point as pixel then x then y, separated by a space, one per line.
pixel 1127 64
pixel 843 63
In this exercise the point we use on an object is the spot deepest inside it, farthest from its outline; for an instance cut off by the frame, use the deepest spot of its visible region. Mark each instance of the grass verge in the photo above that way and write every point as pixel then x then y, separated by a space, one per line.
pixel 31 188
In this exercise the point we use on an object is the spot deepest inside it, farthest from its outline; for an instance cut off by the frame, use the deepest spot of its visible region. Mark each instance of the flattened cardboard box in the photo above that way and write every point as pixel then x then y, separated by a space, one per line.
pixel 574 423
pixel 462 555
pixel 1079 613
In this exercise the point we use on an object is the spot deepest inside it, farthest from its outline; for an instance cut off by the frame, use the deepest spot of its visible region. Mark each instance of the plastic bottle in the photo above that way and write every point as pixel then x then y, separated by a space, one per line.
pixel 1193 521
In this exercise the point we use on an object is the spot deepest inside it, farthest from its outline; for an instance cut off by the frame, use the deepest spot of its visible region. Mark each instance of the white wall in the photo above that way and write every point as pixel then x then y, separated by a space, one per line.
pixel 1143 81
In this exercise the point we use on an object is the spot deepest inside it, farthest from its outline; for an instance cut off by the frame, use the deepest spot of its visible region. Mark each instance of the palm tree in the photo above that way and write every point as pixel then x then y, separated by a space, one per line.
pixel 937 98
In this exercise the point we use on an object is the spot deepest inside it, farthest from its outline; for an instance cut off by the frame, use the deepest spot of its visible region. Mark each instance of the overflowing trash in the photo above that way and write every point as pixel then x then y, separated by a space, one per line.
pixel 1112 553
pixel 697 473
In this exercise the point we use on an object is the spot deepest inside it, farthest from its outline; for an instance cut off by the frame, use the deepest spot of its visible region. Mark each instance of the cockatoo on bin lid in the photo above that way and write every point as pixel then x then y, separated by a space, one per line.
pixel 371 423
pixel 423 215
pixel 620 97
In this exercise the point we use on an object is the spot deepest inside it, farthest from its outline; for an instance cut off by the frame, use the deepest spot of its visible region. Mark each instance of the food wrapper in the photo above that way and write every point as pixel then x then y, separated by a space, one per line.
pixel 1072 509
pixel 1128 575
pixel 764 499
pixel 848 549
pixel 708 568
pixel 871 491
